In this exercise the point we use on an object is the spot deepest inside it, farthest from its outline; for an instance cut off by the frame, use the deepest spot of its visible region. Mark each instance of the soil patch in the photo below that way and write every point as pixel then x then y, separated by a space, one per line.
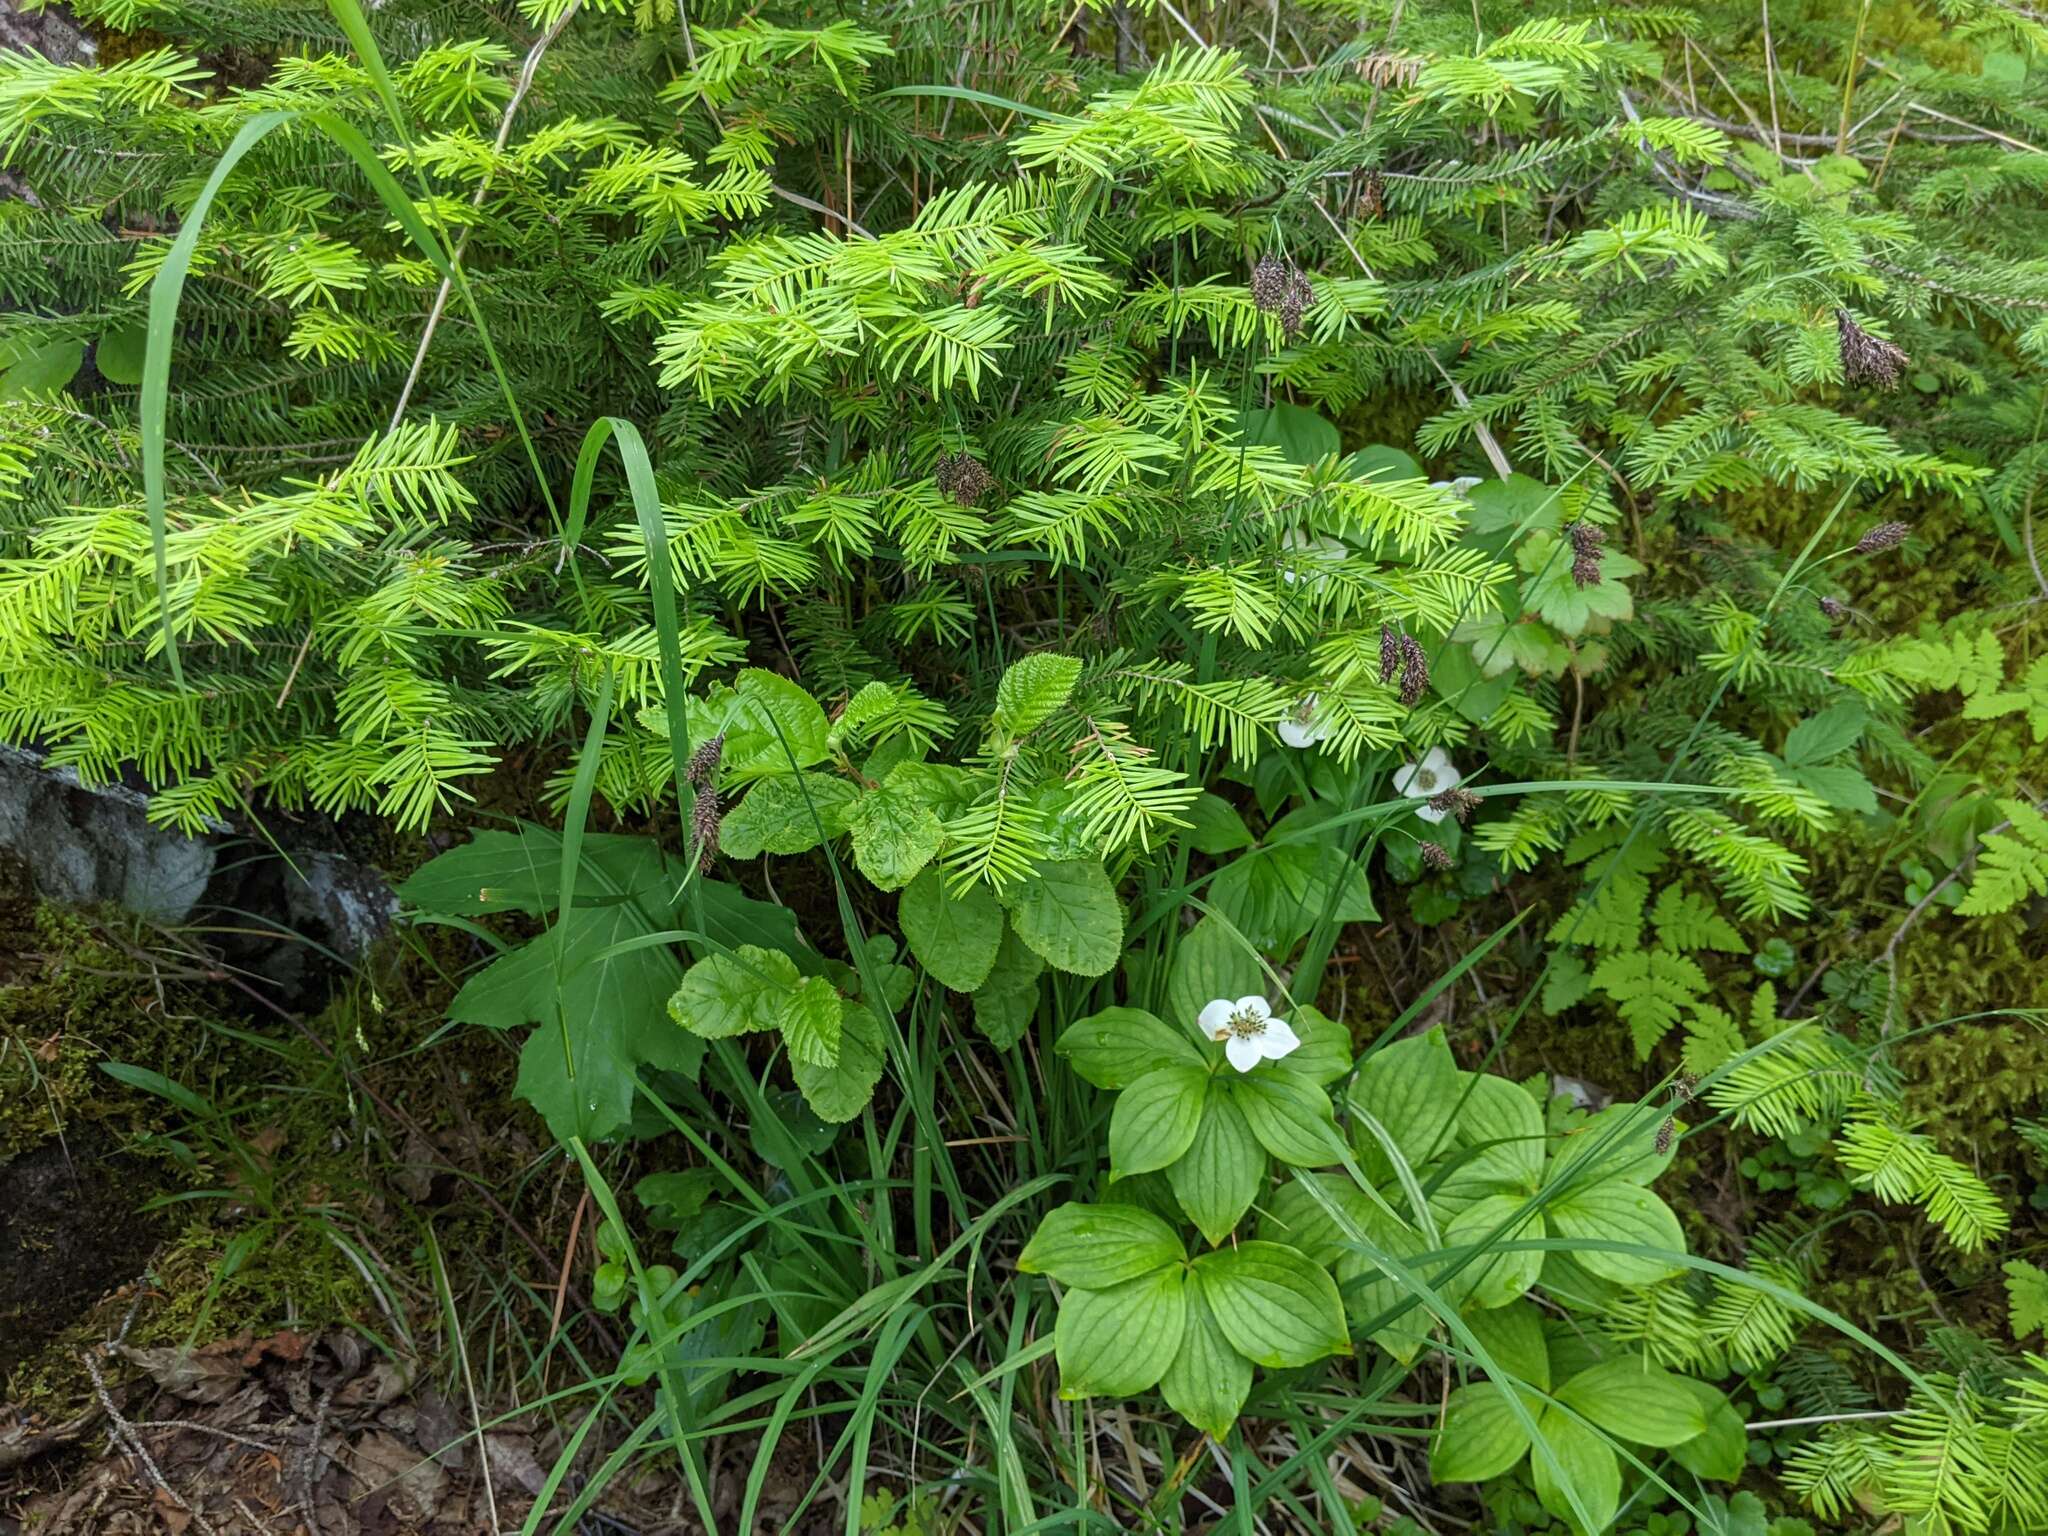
pixel 71 1234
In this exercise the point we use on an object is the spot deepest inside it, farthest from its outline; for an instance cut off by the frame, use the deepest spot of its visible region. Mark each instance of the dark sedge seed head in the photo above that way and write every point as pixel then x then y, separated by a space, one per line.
pixel 1884 536
pixel 705 818
pixel 1435 856
pixel 963 477
pixel 1390 652
pixel 1281 288
pixel 1455 801
pixel 1834 608
pixel 1664 1133
pixel 1414 671
pixel 1586 540
pixel 703 765
pixel 1868 359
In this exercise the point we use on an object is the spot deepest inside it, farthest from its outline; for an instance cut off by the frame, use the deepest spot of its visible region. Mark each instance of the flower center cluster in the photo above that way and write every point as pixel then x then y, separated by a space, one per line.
pixel 1425 780
pixel 1245 1025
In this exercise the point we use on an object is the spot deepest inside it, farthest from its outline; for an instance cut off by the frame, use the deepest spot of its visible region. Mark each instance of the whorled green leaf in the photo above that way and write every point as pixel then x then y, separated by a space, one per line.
pixel 1410 1089
pixel 1219 1176
pixel 1481 1437
pixel 1720 1451
pixel 1618 1212
pixel 1120 1341
pixel 1208 1380
pixel 1591 1470
pixel 1277 1306
pixel 1634 1400
pixel 1155 1119
pixel 1094 1247
pixel 1290 1116
pixel 1494 1279
pixel 1115 1047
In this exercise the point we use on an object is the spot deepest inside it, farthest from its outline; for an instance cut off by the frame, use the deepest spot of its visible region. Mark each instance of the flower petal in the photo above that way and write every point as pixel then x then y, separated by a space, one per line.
pixel 1244 1051
pixel 1430 813
pixel 1278 1039
pixel 1255 1006
pixel 1437 760
pixel 1214 1019
pixel 1404 779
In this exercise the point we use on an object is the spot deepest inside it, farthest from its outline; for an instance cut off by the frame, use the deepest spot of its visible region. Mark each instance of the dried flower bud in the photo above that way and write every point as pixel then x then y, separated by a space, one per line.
pixel 1372 195
pixel 1454 801
pixel 1868 359
pixel 1884 536
pixel 962 477
pixel 1586 540
pixel 705 818
pixel 1390 652
pixel 703 765
pixel 1834 608
pixel 1414 671
pixel 1435 855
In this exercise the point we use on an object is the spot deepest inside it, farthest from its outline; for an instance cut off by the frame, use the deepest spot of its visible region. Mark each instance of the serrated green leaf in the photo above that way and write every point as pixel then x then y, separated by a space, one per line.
pixel 1067 913
pixel 737 994
pixel 955 937
pixel 1031 691
pixel 895 832
pixel 783 814
pixel 839 1092
pixel 1652 990
pixel 1565 984
pixel 1686 920
pixel 810 1023
pixel 2026 1296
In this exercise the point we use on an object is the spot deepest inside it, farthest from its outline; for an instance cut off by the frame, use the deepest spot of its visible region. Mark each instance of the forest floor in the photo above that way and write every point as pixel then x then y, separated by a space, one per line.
pixel 227 1304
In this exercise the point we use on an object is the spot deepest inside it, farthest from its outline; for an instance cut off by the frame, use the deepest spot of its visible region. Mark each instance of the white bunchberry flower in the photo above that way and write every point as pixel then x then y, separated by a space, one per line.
pixel 1462 486
pixel 1426 780
pixel 1311 550
pixel 1248 1030
pixel 1304 726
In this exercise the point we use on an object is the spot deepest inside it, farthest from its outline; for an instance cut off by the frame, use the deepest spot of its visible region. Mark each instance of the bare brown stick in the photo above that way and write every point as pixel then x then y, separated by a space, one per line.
pixel 483 188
